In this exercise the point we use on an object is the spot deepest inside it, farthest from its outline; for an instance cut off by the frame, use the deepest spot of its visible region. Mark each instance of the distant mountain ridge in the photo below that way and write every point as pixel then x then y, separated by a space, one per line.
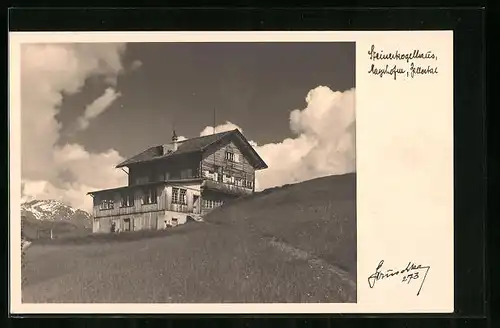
pixel 52 210
pixel 39 217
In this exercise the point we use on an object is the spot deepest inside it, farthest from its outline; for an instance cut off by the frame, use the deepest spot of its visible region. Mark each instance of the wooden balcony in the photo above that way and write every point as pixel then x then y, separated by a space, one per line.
pixel 118 210
pixel 225 188
pixel 182 208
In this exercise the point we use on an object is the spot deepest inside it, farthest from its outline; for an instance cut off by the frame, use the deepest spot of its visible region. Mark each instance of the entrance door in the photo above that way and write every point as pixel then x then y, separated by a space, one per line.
pixel 127 225
pixel 196 204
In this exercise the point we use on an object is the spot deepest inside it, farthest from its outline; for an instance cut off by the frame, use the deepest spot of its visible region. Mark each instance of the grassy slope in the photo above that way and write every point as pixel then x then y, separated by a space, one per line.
pixel 60 229
pixel 317 216
pixel 291 244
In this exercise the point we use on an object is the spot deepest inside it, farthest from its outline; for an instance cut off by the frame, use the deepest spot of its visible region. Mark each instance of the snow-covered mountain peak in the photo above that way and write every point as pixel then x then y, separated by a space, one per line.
pixel 51 210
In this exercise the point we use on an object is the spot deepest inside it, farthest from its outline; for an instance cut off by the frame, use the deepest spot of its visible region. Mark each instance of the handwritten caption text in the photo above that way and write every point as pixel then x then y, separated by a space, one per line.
pixel 407 64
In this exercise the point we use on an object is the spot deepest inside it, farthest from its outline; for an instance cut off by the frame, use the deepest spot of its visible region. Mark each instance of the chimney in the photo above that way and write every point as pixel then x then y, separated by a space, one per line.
pixel 174 141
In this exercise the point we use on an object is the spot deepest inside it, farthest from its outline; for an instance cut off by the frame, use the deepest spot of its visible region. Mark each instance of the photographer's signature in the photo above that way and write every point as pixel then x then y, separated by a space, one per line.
pixel 411 272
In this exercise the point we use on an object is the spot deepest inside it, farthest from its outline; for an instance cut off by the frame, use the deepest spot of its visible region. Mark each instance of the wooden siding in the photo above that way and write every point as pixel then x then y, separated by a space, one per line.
pixel 163 200
pixel 165 169
pixel 242 169
pixel 163 212
pixel 143 221
pixel 138 207
pixel 226 188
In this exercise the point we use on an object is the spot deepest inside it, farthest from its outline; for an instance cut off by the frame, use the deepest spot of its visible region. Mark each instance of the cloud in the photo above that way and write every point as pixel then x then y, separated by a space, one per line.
pixel 68 172
pixel 228 126
pixel 323 141
pixel 136 64
pixel 97 107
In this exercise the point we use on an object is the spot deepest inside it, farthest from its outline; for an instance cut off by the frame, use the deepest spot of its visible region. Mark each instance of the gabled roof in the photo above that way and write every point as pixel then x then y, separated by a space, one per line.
pixel 193 145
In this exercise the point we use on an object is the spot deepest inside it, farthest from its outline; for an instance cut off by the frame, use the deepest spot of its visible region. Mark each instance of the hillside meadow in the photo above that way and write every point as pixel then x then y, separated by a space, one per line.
pixel 295 243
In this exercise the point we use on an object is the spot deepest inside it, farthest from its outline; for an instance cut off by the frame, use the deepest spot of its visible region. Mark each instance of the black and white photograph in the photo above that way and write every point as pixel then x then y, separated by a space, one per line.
pixel 188 172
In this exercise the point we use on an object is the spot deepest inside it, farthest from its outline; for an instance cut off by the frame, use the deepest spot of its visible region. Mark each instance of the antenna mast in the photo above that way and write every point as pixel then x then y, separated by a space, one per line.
pixel 214 120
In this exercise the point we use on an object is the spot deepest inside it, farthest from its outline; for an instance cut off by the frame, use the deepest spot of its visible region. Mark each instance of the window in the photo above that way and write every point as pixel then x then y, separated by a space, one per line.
pixel 179 196
pixel 247 183
pixel 150 196
pixel 106 204
pixel 233 157
pixel 127 200
pixel 175 195
pixel 183 196
pixel 229 156
pixel 209 203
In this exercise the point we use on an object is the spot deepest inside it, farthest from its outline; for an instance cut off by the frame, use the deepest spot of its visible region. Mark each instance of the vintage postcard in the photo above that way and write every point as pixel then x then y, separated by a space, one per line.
pixel 231 172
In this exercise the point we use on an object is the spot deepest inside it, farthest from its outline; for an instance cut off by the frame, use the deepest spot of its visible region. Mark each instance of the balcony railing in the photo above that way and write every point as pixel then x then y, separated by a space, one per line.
pixel 183 208
pixel 226 187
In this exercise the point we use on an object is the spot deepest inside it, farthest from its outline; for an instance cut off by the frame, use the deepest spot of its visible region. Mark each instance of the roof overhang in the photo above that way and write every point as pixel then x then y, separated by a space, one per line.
pixel 127 163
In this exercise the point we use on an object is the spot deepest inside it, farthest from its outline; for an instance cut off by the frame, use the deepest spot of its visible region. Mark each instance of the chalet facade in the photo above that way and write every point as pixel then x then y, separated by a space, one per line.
pixel 170 183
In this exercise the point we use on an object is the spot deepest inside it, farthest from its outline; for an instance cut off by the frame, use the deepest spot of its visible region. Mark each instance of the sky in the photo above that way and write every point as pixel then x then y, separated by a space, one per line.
pixel 87 107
